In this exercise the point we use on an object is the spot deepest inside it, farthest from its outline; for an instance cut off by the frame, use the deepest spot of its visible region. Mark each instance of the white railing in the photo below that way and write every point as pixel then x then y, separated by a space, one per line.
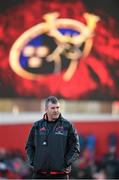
pixel 30 117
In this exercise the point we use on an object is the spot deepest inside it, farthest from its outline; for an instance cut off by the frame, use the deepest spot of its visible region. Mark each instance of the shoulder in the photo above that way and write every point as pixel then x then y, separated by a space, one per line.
pixel 37 123
pixel 66 122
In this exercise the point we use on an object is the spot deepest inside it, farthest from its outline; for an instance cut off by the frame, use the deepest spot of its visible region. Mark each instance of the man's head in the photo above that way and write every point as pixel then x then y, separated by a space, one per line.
pixel 52 108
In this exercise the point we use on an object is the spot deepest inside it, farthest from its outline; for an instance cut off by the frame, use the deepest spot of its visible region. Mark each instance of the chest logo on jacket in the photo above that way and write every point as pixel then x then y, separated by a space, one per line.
pixel 42 130
pixel 60 130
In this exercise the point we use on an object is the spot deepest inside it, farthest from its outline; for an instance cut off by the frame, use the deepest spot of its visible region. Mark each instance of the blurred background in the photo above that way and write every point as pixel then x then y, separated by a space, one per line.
pixel 69 49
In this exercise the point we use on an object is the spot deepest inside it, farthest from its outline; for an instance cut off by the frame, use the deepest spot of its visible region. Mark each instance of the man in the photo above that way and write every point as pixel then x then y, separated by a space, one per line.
pixel 53 144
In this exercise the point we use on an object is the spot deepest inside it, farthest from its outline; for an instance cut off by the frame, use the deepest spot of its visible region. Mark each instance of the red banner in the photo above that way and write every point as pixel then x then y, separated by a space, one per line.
pixel 92 76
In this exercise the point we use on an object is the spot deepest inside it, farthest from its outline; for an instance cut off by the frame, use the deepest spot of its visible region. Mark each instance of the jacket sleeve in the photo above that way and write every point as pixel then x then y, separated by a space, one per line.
pixel 30 146
pixel 73 147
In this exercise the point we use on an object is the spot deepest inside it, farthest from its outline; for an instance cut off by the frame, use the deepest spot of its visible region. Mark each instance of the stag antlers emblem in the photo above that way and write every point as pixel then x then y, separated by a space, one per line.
pixel 53 46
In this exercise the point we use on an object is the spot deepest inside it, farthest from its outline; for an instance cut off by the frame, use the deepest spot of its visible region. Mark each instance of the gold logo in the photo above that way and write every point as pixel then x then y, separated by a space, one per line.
pixel 53 46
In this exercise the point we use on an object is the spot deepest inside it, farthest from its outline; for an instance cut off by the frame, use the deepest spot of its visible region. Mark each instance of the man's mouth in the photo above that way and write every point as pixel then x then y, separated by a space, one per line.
pixel 56 114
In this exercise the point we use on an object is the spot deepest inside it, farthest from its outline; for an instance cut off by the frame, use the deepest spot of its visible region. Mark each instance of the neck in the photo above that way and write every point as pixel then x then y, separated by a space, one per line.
pixel 50 119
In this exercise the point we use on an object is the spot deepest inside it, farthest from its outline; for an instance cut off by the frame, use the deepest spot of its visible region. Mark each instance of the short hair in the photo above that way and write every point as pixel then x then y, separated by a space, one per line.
pixel 51 99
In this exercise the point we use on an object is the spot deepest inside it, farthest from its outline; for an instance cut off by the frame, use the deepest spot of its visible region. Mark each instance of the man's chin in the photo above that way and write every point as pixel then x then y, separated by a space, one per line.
pixel 55 117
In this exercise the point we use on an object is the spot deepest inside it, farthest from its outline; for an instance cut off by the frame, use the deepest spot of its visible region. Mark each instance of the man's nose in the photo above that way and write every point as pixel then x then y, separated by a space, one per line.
pixel 56 109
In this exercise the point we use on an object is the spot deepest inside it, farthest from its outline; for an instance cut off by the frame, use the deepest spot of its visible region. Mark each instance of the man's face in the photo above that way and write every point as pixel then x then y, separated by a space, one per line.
pixel 53 111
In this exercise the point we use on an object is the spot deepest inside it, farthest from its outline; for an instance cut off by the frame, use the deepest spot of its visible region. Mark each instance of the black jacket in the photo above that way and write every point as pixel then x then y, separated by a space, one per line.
pixel 55 150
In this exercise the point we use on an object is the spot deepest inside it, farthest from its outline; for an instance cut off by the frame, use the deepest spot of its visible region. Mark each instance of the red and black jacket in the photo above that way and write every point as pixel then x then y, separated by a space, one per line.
pixel 52 150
